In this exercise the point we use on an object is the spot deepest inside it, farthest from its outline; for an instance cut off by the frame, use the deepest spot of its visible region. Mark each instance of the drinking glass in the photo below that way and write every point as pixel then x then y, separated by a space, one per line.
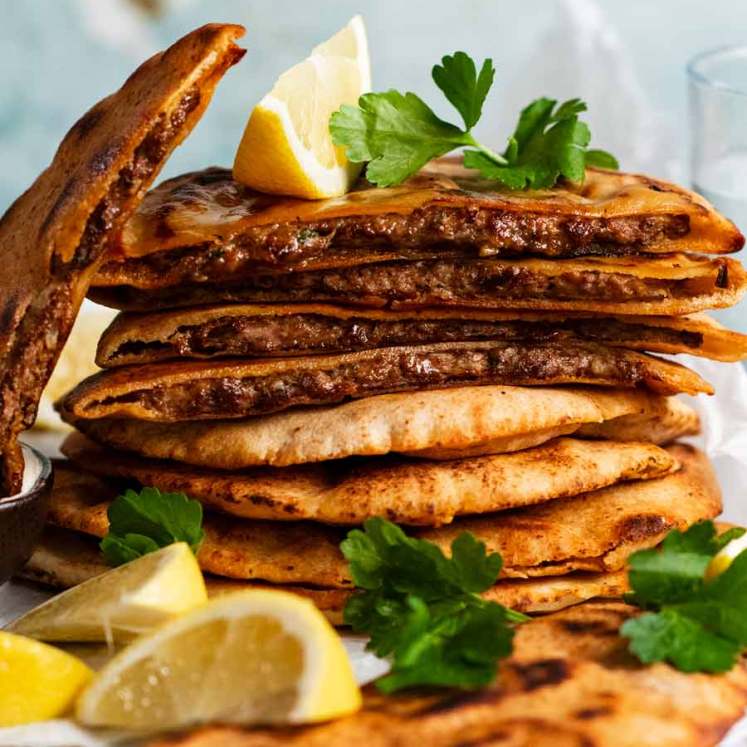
pixel 717 83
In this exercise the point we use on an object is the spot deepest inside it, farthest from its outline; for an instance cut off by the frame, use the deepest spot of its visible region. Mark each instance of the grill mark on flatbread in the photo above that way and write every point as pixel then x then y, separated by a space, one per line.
pixel 269 331
pixel 441 424
pixel 586 532
pixel 64 558
pixel 590 693
pixel 54 235
pixel 203 390
pixel 405 491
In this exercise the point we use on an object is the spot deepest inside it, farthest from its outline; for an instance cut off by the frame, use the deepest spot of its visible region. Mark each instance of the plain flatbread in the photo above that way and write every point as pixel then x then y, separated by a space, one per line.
pixel 671 420
pixel 54 235
pixel 435 424
pixel 406 491
pixel 63 559
pixel 570 682
pixel 592 532
pixel 256 331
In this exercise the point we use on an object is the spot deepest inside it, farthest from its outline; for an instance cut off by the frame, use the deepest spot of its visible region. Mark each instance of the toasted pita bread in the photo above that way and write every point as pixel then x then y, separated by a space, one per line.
pixel 436 424
pixel 672 419
pixel 63 559
pixel 54 234
pixel 591 532
pixel 570 682
pixel 241 330
pixel 406 491
pixel 669 285
pixel 443 209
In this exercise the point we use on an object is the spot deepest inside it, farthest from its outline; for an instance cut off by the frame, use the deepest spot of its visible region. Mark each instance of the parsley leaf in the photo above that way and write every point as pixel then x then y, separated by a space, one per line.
pixel 399 133
pixel 694 623
pixel 396 133
pixel 423 609
pixel 457 77
pixel 143 522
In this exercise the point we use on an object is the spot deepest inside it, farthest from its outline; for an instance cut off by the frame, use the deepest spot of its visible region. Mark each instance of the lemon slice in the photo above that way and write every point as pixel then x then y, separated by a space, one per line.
pixel 122 603
pixel 724 557
pixel 251 657
pixel 37 682
pixel 286 148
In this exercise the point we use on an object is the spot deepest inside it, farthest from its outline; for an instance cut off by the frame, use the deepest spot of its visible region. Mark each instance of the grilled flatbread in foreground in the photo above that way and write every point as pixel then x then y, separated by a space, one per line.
pixel 269 331
pixel 668 285
pixel 437 424
pixel 406 491
pixel 569 683
pixel 592 532
pixel 445 209
pixel 54 235
pixel 213 390
pixel 63 559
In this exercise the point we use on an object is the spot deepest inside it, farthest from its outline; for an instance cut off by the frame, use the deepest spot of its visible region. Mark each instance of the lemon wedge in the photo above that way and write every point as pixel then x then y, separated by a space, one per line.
pixel 37 682
pixel 286 148
pixel 251 657
pixel 724 557
pixel 122 603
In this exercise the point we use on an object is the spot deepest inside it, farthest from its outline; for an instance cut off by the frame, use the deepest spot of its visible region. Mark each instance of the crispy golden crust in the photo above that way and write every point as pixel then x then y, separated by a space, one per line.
pixel 591 532
pixel 570 682
pixel 63 558
pixel 406 491
pixel 437 424
pixel 54 234
pixel 146 338
pixel 207 390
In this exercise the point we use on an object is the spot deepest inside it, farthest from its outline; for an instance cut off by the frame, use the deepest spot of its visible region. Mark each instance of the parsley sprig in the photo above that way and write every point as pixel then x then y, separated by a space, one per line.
pixel 423 609
pixel 397 134
pixel 144 522
pixel 694 623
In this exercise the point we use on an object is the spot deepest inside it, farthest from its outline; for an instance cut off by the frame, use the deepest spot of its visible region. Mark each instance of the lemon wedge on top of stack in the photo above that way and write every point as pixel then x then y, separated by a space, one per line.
pixel 250 657
pixel 724 558
pixel 286 148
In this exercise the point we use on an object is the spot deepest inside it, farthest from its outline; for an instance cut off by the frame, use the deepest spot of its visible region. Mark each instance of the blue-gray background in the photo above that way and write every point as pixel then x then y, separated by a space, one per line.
pixel 57 57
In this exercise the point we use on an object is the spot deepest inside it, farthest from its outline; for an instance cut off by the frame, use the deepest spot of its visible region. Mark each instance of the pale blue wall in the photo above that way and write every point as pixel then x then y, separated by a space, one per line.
pixel 57 57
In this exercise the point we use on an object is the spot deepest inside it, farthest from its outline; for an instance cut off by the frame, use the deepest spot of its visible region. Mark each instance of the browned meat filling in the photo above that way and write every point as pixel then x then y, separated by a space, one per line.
pixel 256 336
pixel 392 370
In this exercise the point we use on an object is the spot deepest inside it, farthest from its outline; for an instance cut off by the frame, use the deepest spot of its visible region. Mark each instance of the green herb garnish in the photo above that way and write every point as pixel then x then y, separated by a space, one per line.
pixel 693 623
pixel 422 609
pixel 143 522
pixel 397 134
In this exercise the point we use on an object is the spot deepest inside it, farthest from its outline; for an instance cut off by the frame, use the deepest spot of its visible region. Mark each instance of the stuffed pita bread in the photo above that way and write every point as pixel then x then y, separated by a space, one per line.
pixel 445 209
pixel 437 424
pixel 668 285
pixel 54 235
pixel 592 532
pixel 63 559
pixel 215 390
pixel 247 331
pixel 406 491
pixel 570 682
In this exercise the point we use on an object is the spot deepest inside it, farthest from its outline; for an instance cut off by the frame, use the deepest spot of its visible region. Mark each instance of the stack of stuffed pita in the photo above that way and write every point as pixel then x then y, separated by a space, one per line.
pixel 440 354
